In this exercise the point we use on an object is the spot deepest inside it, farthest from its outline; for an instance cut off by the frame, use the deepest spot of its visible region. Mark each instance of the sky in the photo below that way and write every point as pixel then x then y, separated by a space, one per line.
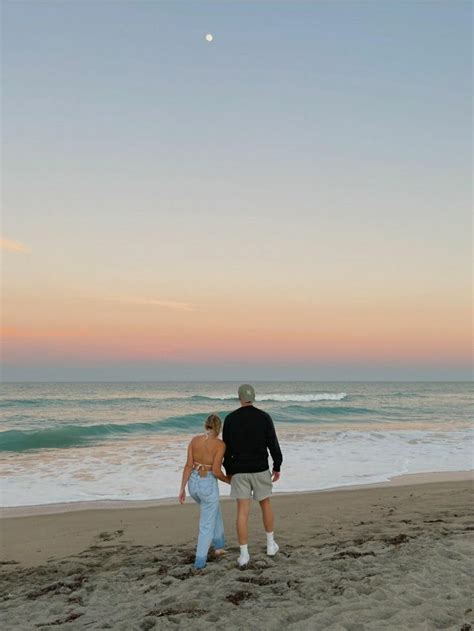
pixel 289 201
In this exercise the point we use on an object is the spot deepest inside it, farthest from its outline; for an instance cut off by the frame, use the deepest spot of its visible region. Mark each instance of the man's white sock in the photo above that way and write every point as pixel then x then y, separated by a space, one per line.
pixel 244 557
pixel 269 537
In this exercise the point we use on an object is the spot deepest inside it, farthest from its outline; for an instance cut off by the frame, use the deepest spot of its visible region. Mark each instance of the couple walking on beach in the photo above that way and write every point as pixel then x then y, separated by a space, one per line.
pixel 247 437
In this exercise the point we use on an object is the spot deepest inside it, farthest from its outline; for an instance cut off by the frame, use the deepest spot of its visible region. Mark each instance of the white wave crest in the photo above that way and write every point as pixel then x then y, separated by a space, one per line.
pixel 325 396
pixel 302 398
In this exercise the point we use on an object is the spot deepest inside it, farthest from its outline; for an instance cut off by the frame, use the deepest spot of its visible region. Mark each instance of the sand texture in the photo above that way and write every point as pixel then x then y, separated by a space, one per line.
pixel 375 558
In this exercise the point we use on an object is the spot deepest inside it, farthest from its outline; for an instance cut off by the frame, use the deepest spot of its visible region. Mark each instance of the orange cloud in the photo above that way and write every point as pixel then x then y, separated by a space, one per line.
pixel 13 246
pixel 167 304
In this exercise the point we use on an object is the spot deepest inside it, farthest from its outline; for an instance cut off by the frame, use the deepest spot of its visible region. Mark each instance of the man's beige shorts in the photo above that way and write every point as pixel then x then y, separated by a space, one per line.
pixel 244 486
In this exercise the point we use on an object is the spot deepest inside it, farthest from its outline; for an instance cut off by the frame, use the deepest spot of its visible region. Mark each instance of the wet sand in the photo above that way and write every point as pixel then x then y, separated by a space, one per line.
pixel 398 556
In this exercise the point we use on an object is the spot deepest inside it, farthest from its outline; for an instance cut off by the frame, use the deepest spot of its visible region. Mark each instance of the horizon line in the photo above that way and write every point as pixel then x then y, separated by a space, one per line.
pixel 238 381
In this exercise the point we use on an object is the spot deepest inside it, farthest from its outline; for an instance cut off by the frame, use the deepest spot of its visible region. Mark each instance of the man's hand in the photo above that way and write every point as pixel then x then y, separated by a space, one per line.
pixel 182 496
pixel 275 476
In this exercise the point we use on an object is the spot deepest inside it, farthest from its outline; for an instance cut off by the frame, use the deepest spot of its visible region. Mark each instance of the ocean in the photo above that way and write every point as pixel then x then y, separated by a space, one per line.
pixel 68 442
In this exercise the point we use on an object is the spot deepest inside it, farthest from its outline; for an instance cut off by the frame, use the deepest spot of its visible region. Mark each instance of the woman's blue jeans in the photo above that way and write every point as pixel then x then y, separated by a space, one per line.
pixel 205 492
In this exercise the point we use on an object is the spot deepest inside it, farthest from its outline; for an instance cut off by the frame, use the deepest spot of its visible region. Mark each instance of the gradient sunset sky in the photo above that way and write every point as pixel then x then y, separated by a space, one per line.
pixel 289 201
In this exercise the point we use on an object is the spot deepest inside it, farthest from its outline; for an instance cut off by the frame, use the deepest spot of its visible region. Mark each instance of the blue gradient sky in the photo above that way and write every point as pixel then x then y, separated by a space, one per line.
pixel 289 201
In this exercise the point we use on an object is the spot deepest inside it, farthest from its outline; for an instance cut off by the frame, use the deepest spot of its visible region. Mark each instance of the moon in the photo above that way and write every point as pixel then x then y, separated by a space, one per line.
pixel 209 37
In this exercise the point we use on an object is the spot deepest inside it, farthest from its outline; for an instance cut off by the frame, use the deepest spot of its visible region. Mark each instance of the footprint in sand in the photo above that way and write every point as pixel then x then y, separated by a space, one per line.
pixel 109 536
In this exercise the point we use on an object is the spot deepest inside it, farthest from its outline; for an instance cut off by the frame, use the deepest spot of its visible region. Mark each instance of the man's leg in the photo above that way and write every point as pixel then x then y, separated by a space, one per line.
pixel 267 516
pixel 243 508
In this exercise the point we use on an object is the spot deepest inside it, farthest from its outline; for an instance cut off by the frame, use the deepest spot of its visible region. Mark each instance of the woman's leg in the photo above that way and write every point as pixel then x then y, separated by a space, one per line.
pixel 218 540
pixel 207 521
pixel 193 488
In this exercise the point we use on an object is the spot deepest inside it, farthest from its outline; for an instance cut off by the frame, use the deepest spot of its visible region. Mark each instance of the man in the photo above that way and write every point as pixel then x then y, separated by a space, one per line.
pixel 249 434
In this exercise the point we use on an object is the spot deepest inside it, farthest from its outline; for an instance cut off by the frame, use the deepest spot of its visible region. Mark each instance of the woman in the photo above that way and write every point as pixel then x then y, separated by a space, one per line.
pixel 201 472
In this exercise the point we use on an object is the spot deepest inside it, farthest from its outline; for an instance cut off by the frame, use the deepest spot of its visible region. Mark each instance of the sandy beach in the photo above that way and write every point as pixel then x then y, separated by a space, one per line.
pixel 397 556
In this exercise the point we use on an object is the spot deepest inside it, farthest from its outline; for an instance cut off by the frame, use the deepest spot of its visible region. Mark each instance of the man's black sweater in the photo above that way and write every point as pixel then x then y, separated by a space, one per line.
pixel 248 433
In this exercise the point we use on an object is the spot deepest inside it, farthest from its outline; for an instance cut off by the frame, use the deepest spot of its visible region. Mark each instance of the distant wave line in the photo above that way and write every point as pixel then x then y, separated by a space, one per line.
pixel 302 398
pixel 58 401
pixel 43 401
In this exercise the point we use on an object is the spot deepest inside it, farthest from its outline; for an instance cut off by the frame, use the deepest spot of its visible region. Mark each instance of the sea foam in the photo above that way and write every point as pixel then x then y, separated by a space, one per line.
pixel 149 467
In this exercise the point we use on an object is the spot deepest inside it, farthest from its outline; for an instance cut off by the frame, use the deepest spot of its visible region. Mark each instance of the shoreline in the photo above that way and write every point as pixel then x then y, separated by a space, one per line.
pixel 9 512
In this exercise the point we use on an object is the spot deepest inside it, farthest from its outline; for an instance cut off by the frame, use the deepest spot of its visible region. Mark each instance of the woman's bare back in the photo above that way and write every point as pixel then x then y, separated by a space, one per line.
pixel 204 449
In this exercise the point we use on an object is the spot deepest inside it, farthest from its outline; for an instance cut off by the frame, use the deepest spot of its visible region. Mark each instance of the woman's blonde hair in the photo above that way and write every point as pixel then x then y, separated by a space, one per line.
pixel 214 422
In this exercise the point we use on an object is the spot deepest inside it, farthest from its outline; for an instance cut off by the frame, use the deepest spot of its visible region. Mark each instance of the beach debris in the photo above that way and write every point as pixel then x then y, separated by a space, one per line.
pixel 397 540
pixel 72 616
pixel 257 580
pixel 239 597
pixel 77 600
pixel 171 611
pixel 466 627
pixel 9 562
pixel 59 587
pixel 353 554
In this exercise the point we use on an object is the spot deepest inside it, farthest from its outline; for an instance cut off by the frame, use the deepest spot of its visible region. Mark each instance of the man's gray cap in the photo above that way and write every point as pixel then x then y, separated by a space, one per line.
pixel 246 393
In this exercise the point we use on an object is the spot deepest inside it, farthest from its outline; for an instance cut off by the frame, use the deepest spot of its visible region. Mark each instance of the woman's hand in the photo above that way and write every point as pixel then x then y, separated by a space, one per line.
pixel 182 496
